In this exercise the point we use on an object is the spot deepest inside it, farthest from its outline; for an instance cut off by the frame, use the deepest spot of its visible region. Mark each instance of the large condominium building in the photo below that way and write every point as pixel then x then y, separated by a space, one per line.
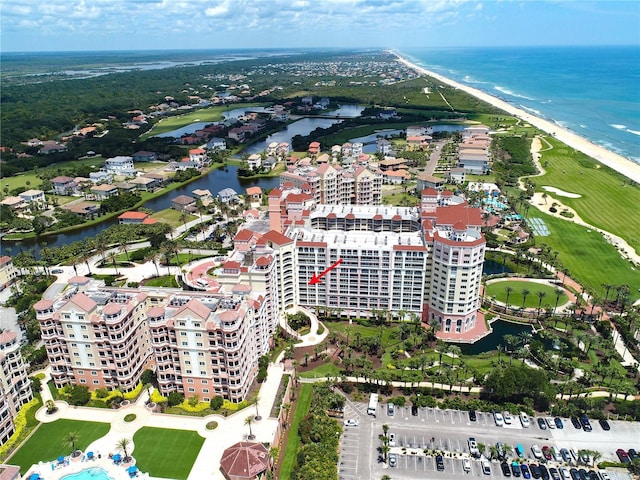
pixel 199 344
pixel 15 387
pixel 332 184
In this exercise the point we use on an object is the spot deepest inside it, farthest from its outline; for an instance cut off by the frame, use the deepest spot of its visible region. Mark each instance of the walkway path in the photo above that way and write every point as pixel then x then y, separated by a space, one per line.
pixel 230 429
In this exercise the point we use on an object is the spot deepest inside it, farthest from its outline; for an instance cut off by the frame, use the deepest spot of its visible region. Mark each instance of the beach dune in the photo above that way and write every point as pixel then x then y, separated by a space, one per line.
pixel 617 162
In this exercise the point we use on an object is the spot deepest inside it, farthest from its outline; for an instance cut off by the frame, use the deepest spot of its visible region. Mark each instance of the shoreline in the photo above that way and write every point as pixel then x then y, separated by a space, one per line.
pixel 616 162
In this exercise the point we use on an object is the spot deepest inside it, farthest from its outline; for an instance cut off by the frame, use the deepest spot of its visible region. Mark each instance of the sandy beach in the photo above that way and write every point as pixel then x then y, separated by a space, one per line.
pixel 617 162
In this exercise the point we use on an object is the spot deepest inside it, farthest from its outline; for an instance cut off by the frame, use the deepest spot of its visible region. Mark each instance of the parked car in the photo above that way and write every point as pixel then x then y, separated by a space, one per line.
pixel 576 422
pixel 555 474
pixel 586 425
pixel 541 424
pixel 583 474
pixel 392 439
pixel 558 422
pixel 391 409
pixel 466 464
pixel 506 471
pixel 623 456
pixel 519 450
pixel 507 418
pixel 497 418
pixel 393 460
pixel 566 456
pixel 439 462
pixel 605 475
pixel 593 475
pixel 516 471
pixel 550 422
pixel 526 473
pixel 486 466
pixel 351 422
pixel 535 470
pixel 546 451
pixel 57 271
pixel 537 453
pixel 472 415
pixel 604 424
pixel 633 455
pixel 564 473
pixel 473 447
pixel 544 472
pixel 524 420
pixel 574 474
pixel 414 410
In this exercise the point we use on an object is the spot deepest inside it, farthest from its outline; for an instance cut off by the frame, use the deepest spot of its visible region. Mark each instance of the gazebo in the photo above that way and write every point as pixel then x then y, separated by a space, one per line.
pixel 245 461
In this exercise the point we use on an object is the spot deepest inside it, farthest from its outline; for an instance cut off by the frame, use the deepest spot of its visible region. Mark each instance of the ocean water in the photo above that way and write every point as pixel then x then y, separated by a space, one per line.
pixel 592 91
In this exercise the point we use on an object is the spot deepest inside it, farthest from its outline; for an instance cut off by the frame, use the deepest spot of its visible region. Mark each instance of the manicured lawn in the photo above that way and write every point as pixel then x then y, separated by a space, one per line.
pixel 164 281
pixel 47 443
pixel 166 453
pixel 172 217
pixel 590 259
pixel 608 200
pixel 293 441
pixel 324 370
pixel 497 289
pixel 400 199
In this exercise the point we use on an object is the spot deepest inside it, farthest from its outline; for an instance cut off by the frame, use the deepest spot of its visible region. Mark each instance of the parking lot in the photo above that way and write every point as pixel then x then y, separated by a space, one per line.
pixel 449 430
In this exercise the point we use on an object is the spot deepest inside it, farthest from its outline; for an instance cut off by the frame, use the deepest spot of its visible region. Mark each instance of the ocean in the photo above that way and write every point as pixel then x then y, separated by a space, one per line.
pixel 592 91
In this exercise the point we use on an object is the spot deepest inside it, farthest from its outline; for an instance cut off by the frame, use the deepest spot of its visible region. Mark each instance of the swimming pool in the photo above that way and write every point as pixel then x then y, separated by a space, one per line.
pixel 94 473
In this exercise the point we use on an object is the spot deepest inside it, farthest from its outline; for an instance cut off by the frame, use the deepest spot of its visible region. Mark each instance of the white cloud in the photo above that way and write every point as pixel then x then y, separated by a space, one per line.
pixel 219 10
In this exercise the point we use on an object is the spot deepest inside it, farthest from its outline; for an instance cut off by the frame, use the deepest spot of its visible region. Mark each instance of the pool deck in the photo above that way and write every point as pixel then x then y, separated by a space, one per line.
pixel 55 471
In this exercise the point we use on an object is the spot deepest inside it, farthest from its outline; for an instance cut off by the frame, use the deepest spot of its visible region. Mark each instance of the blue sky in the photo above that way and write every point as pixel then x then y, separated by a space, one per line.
pixel 56 25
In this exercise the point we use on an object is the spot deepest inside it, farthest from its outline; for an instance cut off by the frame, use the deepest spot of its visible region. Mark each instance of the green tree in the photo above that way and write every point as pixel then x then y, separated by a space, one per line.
pixel 216 403
pixel 175 398
pixel 122 445
pixel 248 422
pixel 70 440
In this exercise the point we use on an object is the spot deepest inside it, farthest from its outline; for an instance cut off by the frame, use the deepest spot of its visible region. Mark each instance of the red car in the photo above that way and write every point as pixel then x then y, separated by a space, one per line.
pixel 623 456
pixel 547 452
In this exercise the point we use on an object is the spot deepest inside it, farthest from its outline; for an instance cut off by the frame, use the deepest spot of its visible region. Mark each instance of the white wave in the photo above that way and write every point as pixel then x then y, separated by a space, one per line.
pixel 532 110
pixel 582 126
pixel 635 132
pixel 618 126
pixel 506 91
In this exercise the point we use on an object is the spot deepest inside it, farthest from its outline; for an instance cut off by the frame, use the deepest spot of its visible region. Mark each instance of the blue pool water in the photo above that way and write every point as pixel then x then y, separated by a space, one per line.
pixel 94 473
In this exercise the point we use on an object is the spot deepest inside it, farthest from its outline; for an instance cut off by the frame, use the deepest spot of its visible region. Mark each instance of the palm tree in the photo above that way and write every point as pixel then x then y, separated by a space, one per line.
pixel 454 351
pixel 541 294
pixel 255 402
pixel 558 292
pixel 249 421
pixel 508 290
pixel 122 446
pixel 525 292
pixel 70 440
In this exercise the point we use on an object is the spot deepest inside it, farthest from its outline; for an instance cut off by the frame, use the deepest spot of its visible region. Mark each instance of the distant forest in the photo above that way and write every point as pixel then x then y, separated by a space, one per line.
pixel 46 110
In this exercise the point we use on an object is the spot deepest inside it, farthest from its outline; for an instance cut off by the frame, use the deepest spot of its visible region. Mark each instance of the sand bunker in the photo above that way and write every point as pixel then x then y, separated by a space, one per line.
pixel 562 193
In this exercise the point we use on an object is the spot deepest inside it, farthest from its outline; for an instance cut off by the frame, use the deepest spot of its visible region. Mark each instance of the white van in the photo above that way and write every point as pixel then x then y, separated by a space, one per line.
pixel 202 282
pixel 524 420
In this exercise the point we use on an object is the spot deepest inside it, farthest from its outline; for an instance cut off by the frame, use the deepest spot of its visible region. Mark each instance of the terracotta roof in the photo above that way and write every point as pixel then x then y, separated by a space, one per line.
pixel 79 280
pixel 297 197
pixel 197 151
pixel 263 261
pixel 231 265
pixel 4 260
pixel 7 337
pixel 244 460
pixel 276 238
pixel 430 192
pixel 459 213
pixel 155 312
pixel 196 307
pixel 82 301
pixel 254 191
pixel 459 226
pixel 229 315
pixel 112 309
pixel 243 235
pixel 42 305
pixel 241 288
pixel 276 192
pixel 149 221
pixel 134 215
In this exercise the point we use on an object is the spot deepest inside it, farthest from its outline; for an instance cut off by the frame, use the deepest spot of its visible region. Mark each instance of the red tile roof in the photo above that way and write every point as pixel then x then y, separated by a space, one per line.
pixel 196 307
pixel 134 215
pixel 276 238
pixel 243 235
pixel 244 460
pixel 82 301
pixel 254 191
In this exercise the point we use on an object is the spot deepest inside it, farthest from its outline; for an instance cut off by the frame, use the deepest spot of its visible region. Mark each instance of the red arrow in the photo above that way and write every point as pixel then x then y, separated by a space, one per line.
pixel 316 278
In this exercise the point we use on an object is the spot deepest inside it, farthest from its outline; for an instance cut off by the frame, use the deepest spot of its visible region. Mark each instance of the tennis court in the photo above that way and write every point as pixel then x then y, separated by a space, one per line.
pixel 538 227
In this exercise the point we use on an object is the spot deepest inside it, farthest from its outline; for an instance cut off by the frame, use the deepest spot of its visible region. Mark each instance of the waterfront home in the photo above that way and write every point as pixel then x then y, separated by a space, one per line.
pixel 388 114
pixel 143 156
pixel 33 197
pixel 124 187
pixel 237 134
pixel 104 191
pixel 227 195
pixel 132 218
pixel 254 194
pixel 217 143
pixel 204 196
pixel 52 147
pixel 254 161
pixel 198 156
pixel 269 163
pixel 14 203
pixel 63 185
pixel 145 183
pixel 314 148
pixel 183 203
pixel 83 209
pixel 429 181
pixel 383 146
pixel 474 130
pixel 420 142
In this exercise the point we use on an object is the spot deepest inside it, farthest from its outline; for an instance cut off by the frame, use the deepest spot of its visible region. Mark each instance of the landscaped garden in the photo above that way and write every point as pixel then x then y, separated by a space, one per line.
pixel 525 294
pixel 48 442
pixel 166 453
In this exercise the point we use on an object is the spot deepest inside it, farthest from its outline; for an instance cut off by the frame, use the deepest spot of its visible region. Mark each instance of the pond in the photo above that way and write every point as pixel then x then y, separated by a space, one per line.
pixel 495 338
pixel 491 267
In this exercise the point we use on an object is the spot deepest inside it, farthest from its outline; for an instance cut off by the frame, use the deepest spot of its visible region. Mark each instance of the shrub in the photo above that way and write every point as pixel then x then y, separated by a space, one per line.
pixel 175 398
pixel 234 407
pixel 193 401
pixel 130 417
pixel 78 395
pixel 157 398
pixel 132 395
pixel 216 403
pixel 102 393
pixel 24 422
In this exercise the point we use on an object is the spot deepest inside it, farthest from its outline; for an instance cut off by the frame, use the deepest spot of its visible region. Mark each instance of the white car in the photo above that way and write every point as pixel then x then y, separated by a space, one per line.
pixel 392 439
pixel 524 420
pixel 393 460
pixel 352 422
pixel 564 472
pixel 486 466
pixel 497 417
pixel 550 423
pixel 473 447
pixel 466 464
pixel 507 418
pixel 605 475
pixel 537 453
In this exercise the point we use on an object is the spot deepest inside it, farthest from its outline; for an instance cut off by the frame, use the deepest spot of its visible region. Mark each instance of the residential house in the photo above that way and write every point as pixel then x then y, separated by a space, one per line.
pixel 254 161
pixel 383 146
pixel 420 142
pixel 392 164
pixel 388 114
pixel 269 163
pixel 14 203
pixel 198 156
pixel 120 165
pixel 217 143
pixel 254 194
pixel 145 183
pixel 104 191
pixel 314 148
pixel 143 156
pixel 183 203
pixel 124 187
pixel 227 195
pixel 204 196
pixel 429 181
pixel 50 148
pixel 100 176
pixel 83 209
pixel 456 175
pixel 132 218
pixel 63 185
pixel 395 177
